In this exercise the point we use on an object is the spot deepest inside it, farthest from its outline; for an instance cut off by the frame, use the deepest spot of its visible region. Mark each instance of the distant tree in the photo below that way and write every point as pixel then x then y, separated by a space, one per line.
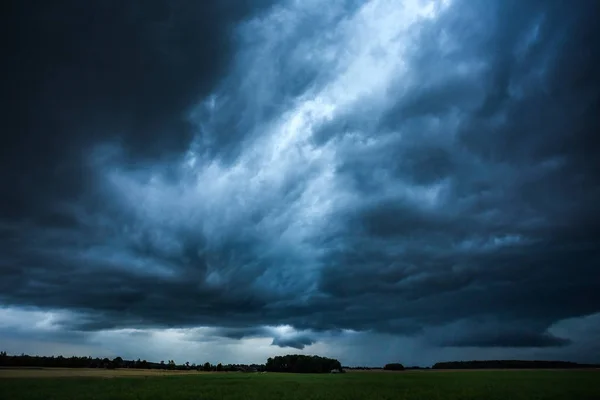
pixel 207 366
pixel 394 367
pixel 219 367
pixel 172 364
pixel 118 362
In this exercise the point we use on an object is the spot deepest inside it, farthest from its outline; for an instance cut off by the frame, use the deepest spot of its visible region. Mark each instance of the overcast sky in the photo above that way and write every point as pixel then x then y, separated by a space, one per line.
pixel 377 181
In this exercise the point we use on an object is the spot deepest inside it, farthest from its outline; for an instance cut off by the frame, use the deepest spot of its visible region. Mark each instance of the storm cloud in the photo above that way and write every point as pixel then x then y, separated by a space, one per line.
pixel 305 171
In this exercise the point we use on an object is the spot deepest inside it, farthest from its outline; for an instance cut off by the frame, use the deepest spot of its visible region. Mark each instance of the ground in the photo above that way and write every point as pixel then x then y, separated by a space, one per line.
pixel 410 385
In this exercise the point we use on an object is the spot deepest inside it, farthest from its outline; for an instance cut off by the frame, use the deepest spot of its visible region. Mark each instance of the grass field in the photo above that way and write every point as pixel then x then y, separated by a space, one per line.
pixel 513 385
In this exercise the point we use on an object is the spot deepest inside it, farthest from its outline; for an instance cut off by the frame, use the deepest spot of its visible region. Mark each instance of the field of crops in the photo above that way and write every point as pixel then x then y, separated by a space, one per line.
pixel 513 385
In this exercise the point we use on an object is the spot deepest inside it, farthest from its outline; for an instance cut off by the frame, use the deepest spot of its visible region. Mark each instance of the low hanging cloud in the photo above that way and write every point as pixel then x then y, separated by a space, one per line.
pixel 492 333
pixel 405 168
pixel 283 336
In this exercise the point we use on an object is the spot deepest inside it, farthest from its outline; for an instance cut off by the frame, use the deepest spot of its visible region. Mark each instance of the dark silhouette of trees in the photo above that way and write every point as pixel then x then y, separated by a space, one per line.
pixel 302 364
pixel 394 367
pixel 219 367
pixel 118 362
pixel 207 367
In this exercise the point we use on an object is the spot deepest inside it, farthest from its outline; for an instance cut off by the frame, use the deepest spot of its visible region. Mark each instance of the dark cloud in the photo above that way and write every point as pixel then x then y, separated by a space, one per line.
pixel 281 338
pixel 120 71
pixel 297 342
pixel 193 170
pixel 491 332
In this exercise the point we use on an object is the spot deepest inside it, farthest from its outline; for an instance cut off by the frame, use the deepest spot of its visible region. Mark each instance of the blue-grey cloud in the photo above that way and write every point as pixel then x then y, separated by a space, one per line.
pixel 392 167
pixel 298 342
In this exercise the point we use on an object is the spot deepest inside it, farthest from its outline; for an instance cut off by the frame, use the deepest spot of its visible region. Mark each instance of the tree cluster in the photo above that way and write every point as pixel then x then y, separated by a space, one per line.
pixel 394 367
pixel 302 364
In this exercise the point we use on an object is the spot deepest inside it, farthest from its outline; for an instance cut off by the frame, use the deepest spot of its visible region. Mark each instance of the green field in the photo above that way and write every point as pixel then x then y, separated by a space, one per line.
pixel 464 385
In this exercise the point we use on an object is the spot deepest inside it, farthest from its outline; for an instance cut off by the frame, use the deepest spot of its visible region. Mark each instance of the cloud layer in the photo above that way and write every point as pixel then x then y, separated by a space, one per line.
pixel 298 171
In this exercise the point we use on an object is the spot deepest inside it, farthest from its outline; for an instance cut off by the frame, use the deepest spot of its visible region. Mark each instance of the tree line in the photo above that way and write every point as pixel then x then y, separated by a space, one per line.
pixel 24 360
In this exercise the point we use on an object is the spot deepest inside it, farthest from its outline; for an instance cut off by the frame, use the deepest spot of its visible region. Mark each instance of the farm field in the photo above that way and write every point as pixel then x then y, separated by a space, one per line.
pixel 514 385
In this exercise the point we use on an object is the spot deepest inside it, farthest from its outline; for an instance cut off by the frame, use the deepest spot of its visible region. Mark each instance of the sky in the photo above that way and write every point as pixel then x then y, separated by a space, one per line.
pixel 377 181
